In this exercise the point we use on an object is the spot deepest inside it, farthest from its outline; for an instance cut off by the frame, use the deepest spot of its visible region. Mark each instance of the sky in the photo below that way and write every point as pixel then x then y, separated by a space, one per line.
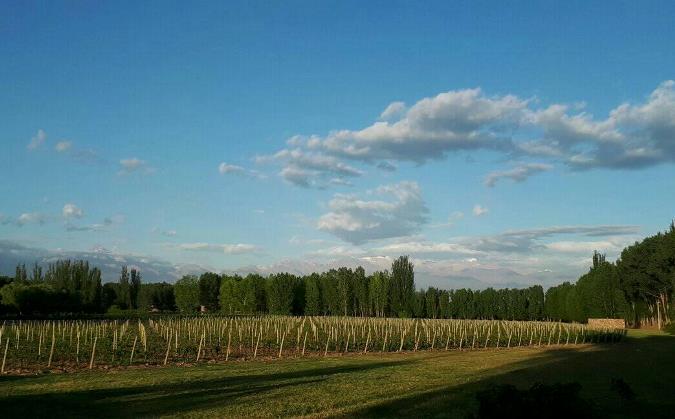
pixel 496 144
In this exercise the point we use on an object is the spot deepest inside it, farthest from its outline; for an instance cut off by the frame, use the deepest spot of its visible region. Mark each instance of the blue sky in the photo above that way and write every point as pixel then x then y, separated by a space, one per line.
pixel 496 144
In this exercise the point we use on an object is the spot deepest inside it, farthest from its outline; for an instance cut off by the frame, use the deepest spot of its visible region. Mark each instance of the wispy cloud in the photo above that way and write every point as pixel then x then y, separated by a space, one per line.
pixel 518 174
pixel 228 249
pixel 479 210
pixel 232 169
pixel 165 233
pixel 31 218
pixel 135 165
pixel 63 146
pixel 37 141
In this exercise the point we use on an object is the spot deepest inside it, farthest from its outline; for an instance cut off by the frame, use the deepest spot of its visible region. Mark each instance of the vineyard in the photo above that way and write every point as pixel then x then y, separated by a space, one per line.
pixel 77 344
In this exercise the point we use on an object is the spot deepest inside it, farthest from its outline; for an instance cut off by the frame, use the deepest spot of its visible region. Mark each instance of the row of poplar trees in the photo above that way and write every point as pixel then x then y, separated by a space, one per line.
pixel 350 292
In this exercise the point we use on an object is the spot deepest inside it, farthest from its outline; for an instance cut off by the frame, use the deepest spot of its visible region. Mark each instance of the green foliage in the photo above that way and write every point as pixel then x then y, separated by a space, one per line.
pixel 186 291
pixel 646 272
pixel 379 288
pixel 123 296
pixel 134 288
pixel 402 293
pixel 312 295
pixel 280 293
pixel 209 290
pixel 228 295
pixel 156 296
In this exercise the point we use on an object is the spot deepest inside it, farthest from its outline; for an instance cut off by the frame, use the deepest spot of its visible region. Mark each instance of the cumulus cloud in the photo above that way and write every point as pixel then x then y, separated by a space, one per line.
pixel 632 136
pixel 63 146
pixel 479 210
pixel 37 141
pixel 518 174
pixel 135 165
pixel 311 169
pixel 357 220
pixel 72 211
pixel 451 121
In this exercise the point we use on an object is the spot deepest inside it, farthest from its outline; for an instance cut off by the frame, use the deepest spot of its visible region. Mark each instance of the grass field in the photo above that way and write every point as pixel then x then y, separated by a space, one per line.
pixel 422 384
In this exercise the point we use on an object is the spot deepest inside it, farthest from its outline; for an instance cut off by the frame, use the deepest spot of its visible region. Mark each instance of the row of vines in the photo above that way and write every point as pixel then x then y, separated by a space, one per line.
pixel 91 343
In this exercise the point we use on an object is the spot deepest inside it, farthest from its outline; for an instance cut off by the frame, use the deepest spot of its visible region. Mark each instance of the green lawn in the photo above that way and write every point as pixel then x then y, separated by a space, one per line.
pixel 428 384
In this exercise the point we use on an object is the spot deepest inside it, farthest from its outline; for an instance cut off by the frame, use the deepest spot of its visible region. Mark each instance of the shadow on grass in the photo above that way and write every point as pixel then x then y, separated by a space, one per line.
pixel 175 398
pixel 646 364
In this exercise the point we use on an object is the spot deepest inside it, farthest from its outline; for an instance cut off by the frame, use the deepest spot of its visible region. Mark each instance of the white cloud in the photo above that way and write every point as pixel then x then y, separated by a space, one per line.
pixel 225 168
pixel 229 249
pixel 311 169
pixel 518 174
pixel 72 211
pixel 357 221
pixel 166 233
pixel 37 141
pixel 426 247
pixel 633 136
pixel 31 218
pixel 394 111
pixel 586 247
pixel 62 146
pixel 233 169
pixel 135 165
pixel 91 227
pixel 337 251
pixel 451 121
pixel 452 219
pixel 479 210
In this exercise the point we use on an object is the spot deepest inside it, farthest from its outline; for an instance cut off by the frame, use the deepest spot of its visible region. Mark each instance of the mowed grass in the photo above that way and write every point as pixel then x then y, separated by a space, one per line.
pixel 422 384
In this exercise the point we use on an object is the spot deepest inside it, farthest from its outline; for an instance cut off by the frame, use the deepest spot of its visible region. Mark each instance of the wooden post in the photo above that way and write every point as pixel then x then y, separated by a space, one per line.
pixel 133 348
pixel 4 357
pixel 93 352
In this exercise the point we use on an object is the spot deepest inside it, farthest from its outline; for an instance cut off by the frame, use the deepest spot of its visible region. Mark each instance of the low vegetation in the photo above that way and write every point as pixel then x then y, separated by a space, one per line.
pixel 31 345
pixel 632 378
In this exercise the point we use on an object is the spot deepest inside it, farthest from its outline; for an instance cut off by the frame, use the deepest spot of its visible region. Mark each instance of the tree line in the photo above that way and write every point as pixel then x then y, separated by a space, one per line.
pixel 637 287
